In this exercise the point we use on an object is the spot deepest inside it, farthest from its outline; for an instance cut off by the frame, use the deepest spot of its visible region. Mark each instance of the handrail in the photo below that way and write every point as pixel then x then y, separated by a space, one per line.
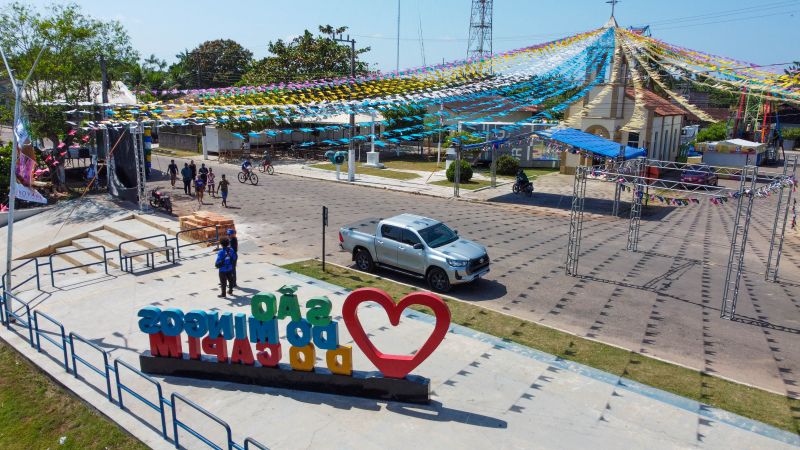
pixel 86 249
pixel 38 283
pixel 162 235
pixel 121 387
pixel 176 423
pixel 75 359
pixel 10 313
pixel 178 242
pixel 40 334
pixel 250 441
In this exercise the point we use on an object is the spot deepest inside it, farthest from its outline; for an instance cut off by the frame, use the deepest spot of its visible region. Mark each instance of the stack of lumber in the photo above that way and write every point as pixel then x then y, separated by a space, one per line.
pixel 208 219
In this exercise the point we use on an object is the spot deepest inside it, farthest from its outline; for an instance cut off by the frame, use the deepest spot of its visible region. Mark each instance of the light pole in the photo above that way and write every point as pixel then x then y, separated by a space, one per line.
pixel 351 152
pixel 19 87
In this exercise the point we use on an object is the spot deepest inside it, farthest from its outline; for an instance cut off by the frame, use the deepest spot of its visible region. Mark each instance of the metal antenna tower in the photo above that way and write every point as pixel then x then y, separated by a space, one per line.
pixel 480 29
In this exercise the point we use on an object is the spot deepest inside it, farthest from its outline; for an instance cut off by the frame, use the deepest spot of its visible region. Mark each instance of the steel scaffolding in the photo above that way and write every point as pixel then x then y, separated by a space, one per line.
pixel 137 133
pixel 576 220
pixel 634 172
pixel 776 246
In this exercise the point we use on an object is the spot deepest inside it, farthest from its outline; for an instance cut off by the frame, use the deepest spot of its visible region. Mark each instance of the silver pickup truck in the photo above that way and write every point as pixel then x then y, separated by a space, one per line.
pixel 415 245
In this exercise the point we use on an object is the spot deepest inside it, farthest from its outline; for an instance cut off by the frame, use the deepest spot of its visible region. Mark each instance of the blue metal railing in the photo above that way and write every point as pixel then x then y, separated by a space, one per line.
pixel 75 359
pixel 34 276
pixel 121 387
pixel 62 345
pixel 252 443
pixel 104 262
pixel 10 313
pixel 178 424
pixel 178 234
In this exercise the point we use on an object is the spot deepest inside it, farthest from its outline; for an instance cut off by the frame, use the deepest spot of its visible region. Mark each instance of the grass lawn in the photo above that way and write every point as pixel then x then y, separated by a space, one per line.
pixel 35 412
pixel 471 184
pixel 426 166
pixel 177 153
pixel 370 171
pixel 773 409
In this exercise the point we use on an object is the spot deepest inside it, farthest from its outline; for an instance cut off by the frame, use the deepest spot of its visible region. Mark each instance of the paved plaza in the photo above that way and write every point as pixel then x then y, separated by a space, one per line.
pixel 487 393
pixel 662 301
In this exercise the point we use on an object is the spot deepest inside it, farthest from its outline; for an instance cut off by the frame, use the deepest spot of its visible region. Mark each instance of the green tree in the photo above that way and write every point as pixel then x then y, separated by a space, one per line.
pixel 69 65
pixel 306 57
pixel 794 69
pixel 714 132
pixel 217 63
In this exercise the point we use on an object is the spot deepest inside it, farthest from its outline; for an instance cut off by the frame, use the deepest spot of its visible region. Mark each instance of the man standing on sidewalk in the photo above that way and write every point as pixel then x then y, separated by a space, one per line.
pixel 186 173
pixel 173 172
pixel 235 246
pixel 193 168
pixel 226 257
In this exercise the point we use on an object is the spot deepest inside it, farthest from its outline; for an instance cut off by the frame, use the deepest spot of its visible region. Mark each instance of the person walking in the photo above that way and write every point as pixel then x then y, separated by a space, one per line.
pixel 186 174
pixel 193 167
pixel 212 188
pixel 203 171
pixel 172 169
pixel 234 242
pixel 226 257
pixel 223 190
pixel 199 189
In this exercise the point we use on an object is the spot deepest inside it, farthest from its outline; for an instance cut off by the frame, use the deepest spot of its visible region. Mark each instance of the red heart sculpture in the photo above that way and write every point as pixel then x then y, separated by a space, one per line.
pixel 394 366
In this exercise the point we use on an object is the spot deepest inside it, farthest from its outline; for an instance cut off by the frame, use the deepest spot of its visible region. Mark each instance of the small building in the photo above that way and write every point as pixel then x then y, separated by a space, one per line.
pixel 661 132
pixel 732 153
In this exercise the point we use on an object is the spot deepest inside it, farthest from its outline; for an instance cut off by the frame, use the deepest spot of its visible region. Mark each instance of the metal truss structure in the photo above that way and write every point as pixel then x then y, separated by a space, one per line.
pixel 137 132
pixel 635 173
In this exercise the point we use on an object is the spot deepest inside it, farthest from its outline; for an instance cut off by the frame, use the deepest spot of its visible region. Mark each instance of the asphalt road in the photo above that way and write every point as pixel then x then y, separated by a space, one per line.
pixel 662 301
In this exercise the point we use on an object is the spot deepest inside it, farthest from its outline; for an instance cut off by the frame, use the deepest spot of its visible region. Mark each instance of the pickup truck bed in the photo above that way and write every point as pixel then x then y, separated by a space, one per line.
pixel 367 226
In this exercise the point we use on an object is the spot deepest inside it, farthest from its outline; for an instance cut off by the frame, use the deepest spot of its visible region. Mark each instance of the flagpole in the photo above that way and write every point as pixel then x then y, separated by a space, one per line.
pixel 12 179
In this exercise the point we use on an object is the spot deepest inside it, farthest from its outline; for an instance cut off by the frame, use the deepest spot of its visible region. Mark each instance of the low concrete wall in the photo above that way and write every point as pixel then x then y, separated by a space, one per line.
pixel 20 214
pixel 177 141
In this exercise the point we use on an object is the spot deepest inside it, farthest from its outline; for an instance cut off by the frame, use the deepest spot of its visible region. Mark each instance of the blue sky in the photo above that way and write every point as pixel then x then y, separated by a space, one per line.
pixel 760 31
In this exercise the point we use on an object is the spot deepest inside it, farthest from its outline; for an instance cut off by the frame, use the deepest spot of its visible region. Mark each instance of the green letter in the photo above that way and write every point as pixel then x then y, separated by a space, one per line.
pixel 319 311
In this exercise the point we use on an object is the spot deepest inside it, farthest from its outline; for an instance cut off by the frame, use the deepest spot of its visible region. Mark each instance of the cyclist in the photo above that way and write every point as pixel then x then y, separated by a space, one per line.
pixel 522 180
pixel 246 166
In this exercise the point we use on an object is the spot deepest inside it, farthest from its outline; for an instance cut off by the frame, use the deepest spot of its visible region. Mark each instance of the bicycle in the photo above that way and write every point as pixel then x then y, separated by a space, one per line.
pixel 250 175
pixel 266 166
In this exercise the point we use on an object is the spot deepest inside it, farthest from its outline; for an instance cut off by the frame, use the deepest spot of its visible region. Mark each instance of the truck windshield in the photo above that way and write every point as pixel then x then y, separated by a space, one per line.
pixel 438 235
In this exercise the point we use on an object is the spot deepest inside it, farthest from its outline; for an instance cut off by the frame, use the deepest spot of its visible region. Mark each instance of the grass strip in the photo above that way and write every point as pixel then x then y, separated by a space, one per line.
pixel 754 403
pixel 370 171
pixel 469 185
pixel 36 413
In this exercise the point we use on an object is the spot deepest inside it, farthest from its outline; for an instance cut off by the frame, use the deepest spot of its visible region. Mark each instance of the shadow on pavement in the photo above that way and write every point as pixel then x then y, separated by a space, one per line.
pixel 591 205
pixel 479 290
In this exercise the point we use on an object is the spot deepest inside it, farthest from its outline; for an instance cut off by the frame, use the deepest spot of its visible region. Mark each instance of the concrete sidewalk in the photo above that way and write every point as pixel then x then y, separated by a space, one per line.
pixel 488 393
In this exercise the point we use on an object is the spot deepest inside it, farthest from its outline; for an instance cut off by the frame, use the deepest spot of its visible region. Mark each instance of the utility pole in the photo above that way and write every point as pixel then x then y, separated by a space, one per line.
pixel 397 66
pixel 104 79
pixel 351 151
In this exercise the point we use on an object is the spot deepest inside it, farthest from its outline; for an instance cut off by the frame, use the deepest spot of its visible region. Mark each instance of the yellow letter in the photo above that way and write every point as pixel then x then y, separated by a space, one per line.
pixel 345 367
pixel 302 358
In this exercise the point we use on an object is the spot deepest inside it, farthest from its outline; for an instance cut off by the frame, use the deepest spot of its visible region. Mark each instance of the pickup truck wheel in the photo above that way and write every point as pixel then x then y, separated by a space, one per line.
pixel 438 280
pixel 364 261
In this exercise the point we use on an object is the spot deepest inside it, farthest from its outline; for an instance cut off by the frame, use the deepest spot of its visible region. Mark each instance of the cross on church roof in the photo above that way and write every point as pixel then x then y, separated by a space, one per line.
pixel 613 4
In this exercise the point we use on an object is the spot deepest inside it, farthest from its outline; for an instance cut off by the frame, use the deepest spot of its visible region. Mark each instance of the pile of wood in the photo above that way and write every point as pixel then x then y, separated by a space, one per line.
pixel 205 219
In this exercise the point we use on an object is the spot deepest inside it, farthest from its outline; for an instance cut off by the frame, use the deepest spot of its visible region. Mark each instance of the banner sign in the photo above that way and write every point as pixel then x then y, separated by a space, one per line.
pixel 26 165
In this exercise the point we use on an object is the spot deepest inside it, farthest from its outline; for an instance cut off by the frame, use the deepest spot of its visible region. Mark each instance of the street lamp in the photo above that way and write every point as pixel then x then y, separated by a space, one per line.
pixel 351 152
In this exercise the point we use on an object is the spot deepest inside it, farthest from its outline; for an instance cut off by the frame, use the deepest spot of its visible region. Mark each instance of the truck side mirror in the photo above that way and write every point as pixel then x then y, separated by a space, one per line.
pixel 418 246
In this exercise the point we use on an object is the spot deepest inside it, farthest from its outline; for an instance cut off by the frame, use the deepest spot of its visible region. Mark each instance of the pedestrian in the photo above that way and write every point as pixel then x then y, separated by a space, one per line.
pixel 226 257
pixel 223 190
pixel 203 171
pixel 193 167
pixel 186 173
pixel 199 189
pixel 172 169
pixel 235 246
pixel 212 188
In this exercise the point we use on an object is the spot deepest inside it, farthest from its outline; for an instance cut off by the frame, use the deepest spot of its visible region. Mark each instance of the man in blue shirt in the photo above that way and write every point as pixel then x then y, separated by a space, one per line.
pixel 226 258
pixel 246 165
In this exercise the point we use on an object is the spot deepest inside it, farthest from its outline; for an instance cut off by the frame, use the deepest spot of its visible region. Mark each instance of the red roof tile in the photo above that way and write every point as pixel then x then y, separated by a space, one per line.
pixel 658 104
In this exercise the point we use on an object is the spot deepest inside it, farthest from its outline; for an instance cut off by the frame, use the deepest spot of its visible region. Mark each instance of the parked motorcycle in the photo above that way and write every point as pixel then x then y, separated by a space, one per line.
pixel 160 199
pixel 527 189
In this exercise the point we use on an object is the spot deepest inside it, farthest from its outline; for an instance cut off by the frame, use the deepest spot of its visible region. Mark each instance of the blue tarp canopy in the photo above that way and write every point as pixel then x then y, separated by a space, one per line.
pixel 590 143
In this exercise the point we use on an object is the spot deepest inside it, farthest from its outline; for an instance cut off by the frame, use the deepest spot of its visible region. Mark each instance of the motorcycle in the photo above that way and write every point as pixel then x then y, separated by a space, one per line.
pixel 160 199
pixel 527 189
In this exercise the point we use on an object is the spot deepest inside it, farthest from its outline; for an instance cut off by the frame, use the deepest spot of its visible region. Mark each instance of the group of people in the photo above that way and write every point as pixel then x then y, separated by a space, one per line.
pixel 202 179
